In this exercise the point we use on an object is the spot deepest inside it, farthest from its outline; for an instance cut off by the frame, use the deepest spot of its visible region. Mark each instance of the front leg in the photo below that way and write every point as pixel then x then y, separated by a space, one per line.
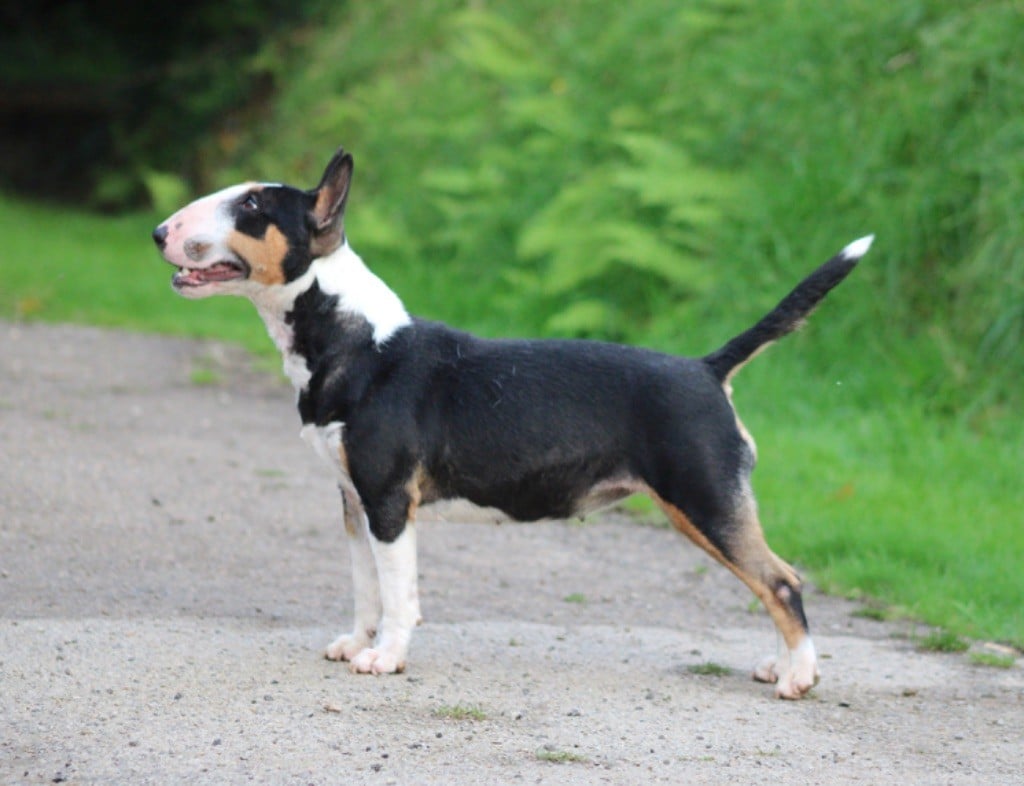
pixel 396 570
pixel 365 584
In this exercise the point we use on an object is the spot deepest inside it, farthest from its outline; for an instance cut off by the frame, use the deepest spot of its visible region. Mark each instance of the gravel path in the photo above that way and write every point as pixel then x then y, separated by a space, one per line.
pixel 172 563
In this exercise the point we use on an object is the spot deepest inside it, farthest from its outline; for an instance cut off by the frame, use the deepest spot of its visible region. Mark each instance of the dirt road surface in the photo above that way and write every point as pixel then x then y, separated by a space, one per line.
pixel 172 564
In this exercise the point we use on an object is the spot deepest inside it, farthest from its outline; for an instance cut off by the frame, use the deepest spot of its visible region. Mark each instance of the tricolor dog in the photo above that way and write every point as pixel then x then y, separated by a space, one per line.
pixel 409 411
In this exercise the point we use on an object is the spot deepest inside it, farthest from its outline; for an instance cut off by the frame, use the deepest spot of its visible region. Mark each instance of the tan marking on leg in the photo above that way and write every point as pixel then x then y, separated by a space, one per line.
pixel 353 510
pixel 751 550
pixel 744 433
pixel 414 490
pixel 353 506
pixel 421 490
pixel 265 255
pixel 682 523
pixel 736 369
pixel 754 566
pixel 350 524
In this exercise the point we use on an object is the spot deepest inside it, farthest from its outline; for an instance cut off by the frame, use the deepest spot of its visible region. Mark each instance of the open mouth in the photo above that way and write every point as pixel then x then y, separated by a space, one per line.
pixel 228 270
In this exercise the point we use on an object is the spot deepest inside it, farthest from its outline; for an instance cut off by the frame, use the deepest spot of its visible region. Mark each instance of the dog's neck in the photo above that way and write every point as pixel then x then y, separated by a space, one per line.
pixel 359 298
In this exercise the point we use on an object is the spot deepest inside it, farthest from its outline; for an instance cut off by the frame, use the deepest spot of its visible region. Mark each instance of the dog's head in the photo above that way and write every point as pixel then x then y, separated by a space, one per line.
pixel 255 235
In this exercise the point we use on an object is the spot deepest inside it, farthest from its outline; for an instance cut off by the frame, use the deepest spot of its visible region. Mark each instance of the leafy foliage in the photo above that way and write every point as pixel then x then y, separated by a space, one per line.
pixel 639 175
pixel 98 94
pixel 661 173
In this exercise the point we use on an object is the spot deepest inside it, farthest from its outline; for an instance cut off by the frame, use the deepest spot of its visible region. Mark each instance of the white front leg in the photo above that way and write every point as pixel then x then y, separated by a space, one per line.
pixel 365 583
pixel 396 570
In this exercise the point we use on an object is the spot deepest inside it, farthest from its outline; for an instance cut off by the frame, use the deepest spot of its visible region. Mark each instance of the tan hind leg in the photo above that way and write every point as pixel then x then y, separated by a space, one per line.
pixel 744 551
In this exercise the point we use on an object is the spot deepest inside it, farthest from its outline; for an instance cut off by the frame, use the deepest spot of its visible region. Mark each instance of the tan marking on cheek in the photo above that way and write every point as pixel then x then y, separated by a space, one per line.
pixel 265 255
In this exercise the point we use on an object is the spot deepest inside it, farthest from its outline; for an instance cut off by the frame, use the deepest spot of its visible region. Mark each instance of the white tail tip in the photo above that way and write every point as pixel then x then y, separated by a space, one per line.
pixel 858 248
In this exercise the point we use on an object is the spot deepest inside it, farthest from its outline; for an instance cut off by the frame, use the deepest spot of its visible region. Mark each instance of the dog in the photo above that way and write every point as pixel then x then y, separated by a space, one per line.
pixel 409 411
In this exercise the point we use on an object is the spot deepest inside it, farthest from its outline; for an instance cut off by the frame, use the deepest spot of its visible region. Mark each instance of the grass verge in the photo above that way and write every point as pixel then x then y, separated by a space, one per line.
pixel 63 266
pixel 875 500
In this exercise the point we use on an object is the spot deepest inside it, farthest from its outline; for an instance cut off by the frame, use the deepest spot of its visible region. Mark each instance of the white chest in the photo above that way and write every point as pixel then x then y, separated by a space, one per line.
pixel 295 366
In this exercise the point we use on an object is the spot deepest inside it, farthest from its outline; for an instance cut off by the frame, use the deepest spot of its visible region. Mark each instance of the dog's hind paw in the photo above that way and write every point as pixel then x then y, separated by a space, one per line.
pixel 348 645
pixel 793 673
pixel 371 661
pixel 765 671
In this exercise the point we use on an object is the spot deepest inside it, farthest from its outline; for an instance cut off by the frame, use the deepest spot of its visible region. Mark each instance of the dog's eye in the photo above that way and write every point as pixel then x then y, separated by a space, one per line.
pixel 251 203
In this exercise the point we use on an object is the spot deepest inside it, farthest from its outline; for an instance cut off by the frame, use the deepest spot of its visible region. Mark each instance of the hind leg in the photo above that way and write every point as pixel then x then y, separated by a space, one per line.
pixel 737 541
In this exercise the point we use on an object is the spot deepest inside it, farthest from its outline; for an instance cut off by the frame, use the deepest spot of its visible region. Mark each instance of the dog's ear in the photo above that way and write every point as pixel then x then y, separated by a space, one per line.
pixel 327 215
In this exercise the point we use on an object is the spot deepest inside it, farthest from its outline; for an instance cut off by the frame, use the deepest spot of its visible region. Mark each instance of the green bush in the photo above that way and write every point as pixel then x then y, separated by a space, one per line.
pixel 663 174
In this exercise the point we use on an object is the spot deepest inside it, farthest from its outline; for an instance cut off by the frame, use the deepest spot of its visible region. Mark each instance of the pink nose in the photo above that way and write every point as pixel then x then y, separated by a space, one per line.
pixel 160 236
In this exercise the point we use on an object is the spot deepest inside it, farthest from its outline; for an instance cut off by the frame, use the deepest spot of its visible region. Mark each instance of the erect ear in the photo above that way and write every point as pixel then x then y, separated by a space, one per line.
pixel 328 213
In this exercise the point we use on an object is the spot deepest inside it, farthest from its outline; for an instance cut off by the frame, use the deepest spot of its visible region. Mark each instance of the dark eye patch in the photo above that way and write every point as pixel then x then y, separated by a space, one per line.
pixel 250 215
pixel 287 210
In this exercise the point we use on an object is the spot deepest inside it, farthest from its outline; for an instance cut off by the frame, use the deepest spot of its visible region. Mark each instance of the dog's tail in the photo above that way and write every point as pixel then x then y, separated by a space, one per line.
pixel 789 314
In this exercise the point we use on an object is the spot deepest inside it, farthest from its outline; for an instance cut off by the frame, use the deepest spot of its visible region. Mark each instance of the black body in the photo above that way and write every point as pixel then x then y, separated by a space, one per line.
pixel 532 426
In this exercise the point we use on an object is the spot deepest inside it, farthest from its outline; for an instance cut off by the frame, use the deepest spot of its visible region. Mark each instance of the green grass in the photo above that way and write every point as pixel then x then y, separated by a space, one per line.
pixel 205 377
pixel 914 510
pixel 63 266
pixel 709 669
pixel 560 756
pixel 942 641
pixel 460 712
pixel 576 184
pixel 880 613
pixel 992 661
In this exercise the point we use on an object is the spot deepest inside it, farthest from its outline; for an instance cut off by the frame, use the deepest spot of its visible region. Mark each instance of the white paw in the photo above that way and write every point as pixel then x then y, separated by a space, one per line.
pixel 794 673
pixel 793 685
pixel 348 645
pixel 371 661
pixel 765 671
